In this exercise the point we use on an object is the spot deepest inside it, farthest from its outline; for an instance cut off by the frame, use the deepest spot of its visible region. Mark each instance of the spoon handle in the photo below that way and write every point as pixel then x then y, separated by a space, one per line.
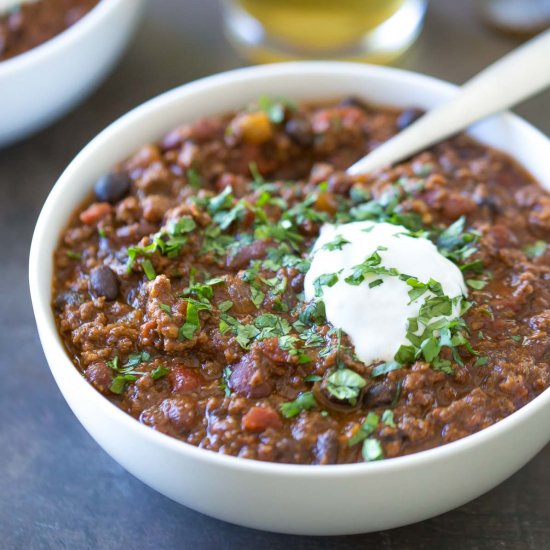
pixel 513 78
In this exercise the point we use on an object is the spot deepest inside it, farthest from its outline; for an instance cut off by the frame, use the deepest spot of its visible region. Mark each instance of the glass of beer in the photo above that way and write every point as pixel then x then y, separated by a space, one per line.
pixel 376 31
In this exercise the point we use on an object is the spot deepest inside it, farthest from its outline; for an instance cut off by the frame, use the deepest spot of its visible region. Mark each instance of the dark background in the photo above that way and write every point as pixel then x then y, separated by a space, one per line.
pixel 58 489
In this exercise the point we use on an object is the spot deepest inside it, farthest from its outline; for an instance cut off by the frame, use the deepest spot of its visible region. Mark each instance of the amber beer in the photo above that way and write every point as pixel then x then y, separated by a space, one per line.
pixel 321 28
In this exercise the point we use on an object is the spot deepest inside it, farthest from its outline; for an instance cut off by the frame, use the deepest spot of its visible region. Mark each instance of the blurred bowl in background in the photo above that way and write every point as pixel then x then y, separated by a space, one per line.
pixel 42 84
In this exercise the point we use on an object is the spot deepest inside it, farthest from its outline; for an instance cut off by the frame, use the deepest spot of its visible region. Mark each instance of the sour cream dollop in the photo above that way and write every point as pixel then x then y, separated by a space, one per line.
pixel 8 5
pixel 375 318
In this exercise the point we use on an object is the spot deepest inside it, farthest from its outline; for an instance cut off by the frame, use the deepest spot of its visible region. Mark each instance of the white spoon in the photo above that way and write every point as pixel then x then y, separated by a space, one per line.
pixel 517 76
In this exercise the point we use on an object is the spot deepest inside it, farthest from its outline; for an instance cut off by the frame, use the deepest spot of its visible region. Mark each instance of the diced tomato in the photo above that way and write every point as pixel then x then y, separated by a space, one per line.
pixel 258 419
pixel 95 212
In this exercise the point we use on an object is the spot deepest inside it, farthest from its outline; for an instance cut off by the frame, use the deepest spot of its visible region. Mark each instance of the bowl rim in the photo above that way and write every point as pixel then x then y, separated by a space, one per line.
pixel 51 340
pixel 63 40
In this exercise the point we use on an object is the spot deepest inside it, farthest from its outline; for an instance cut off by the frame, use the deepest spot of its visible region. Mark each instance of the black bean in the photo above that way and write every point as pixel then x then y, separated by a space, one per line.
pixel 112 187
pixel 353 102
pixel 407 117
pixel 69 298
pixel 379 395
pixel 340 183
pixel 297 282
pixel 299 130
pixel 326 448
pixel 104 282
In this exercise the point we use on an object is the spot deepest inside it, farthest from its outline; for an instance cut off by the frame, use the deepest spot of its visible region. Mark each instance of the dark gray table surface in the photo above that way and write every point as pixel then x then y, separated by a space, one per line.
pixel 58 489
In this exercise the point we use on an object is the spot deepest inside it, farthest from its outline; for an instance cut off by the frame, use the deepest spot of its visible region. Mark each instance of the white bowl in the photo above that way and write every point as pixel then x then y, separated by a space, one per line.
pixel 40 85
pixel 314 500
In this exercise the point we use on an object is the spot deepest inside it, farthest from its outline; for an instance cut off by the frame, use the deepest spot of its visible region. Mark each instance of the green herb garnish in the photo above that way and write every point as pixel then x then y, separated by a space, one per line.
pixel 159 373
pixel 367 428
pixel 225 306
pixel 372 450
pixel 535 250
pixel 148 269
pixel 192 323
pixel 476 284
pixel 345 385
pixel 118 385
pixel 387 418
pixel 304 402
pixel 224 382
pixel 73 255
pixel 336 244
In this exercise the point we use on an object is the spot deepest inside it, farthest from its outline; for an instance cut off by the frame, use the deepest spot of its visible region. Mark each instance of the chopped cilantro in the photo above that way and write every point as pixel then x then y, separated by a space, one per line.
pixel 314 313
pixel 397 395
pixel 423 170
pixel 476 265
pixel 223 201
pixel 166 308
pixel 215 242
pixel 304 402
pixel 405 355
pixel 372 450
pixel 476 284
pixel 192 323
pixel 535 250
pixel 288 343
pixel 118 385
pixel 385 368
pixel 202 291
pixel 253 168
pixel 387 418
pixel 257 296
pixel 457 244
pixel 370 266
pixel 126 373
pixel 168 242
pixel 224 382
pixel 148 269
pixel 481 361
pixel 327 279
pixel 367 428
pixel 345 385
pixel 359 194
pixel 71 254
pixel 275 108
pixel 443 365
pixel 225 219
pixel 181 226
pixel 271 325
pixel 246 333
pixel 336 244
pixel 310 336
pixel 194 179
pixel 225 306
pixel 419 288
pixel 159 373
pixel 384 209
pixel 133 360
